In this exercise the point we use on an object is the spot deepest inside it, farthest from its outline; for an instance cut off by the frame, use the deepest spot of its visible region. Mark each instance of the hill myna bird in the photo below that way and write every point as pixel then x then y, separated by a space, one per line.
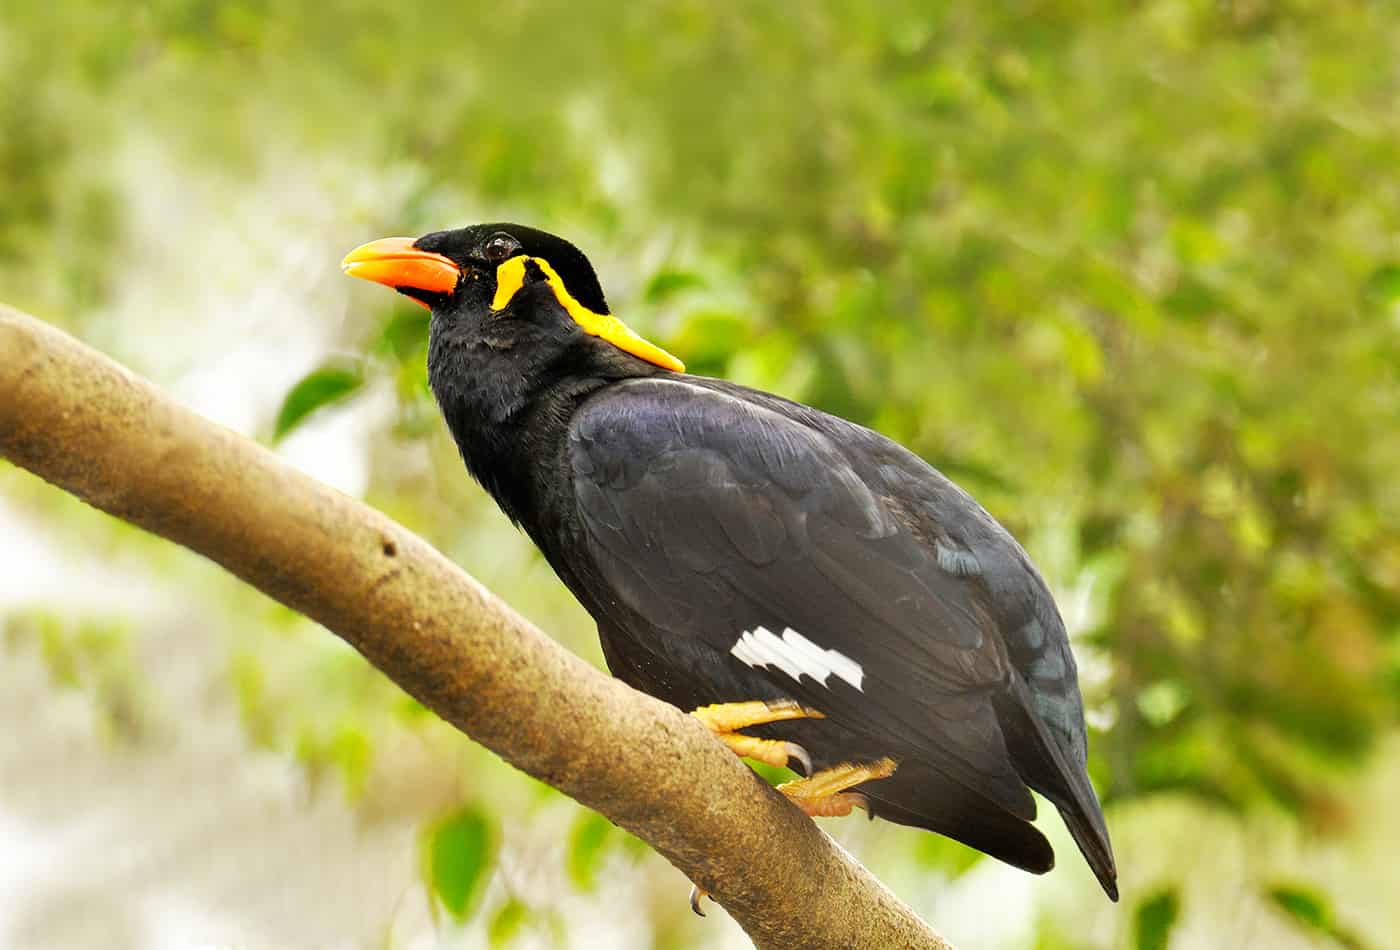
pixel 816 594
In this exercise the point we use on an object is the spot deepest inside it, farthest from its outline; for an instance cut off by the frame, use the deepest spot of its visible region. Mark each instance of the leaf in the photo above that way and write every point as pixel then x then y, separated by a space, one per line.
pixel 944 854
pixel 1302 904
pixel 351 751
pixel 1155 918
pixel 460 851
pixel 590 834
pixel 1383 286
pixel 405 335
pixel 317 389
pixel 633 846
pixel 711 336
pixel 507 922
pixel 409 710
pixel 668 283
pixel 1312 910
pixel 772 774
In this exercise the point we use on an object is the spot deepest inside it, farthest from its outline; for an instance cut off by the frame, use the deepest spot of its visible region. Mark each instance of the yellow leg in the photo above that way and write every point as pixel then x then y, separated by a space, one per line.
pixel 824 795
pixel 725 719
pixel 768 751
pixel 730 717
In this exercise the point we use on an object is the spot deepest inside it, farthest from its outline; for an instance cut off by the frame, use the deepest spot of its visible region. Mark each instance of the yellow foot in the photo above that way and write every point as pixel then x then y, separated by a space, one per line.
pixel 730 717
pixel 825 794
pixel 725 719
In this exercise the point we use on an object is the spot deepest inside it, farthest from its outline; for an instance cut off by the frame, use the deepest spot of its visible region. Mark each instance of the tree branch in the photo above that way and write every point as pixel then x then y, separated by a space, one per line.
pixel 91 427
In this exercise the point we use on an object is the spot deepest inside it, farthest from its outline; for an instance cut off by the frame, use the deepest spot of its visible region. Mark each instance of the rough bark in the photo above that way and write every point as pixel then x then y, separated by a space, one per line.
pixel 93 428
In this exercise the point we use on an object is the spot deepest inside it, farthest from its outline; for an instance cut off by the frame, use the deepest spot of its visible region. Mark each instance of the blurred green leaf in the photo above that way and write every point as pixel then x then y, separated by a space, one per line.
pixel 1313 912
pixel 405 334
pixel 1384 285
pixel 507 922
pixel 461 850
pixel 770 773
pixel 314 391
pixel 60 657
pixel 668 283
pixel 708 337
pixel 351 751
pixel 249 680
pixel 587 840
pixel 951 857
pixel 1304 905
pixel 411 710
pixel 1155 918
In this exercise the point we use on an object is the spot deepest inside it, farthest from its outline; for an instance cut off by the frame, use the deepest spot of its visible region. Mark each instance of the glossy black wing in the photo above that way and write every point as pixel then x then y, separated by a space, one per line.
pixel 1040 713
pixel 849 572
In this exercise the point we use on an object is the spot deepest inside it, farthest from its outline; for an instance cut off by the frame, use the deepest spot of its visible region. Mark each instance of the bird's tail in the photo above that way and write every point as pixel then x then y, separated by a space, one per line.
pixel 1044 765
pixel 1085 822
pixel 924 797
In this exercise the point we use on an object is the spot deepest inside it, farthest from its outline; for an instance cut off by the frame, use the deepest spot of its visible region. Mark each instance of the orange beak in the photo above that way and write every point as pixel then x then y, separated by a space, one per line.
pixel 396 263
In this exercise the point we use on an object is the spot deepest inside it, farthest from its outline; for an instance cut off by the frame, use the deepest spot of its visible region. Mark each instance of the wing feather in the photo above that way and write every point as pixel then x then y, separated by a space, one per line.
pixel 713 512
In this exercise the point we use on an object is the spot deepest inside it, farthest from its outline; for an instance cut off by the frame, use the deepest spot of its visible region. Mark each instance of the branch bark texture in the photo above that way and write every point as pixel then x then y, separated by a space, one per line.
pixel 91 427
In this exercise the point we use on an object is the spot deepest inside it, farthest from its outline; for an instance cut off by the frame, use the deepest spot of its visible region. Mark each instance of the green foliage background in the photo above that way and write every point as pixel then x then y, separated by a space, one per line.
pixel 1129 272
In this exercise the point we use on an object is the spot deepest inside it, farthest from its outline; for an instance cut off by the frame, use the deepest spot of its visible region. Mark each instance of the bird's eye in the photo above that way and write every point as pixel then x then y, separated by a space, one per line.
pixel 500 247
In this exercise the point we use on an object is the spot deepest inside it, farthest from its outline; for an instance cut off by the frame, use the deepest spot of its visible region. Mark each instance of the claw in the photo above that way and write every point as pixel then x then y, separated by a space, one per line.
pixel 697 895
pixel 796 751
pixel 725 719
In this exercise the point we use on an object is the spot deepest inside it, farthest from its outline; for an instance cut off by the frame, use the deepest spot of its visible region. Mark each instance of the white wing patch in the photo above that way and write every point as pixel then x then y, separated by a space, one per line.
pixel 796 656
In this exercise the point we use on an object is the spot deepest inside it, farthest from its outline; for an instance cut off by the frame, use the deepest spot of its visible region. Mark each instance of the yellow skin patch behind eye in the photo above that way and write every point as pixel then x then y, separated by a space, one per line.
pixel 510 277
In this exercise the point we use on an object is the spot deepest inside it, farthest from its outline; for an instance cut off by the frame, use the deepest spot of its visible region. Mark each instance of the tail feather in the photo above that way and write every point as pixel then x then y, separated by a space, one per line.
pixel 923 797
pixel 1092 837
pixel 1044 766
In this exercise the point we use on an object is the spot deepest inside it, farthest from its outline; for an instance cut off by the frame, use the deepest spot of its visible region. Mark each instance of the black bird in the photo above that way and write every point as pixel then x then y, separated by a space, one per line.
pixel 766 565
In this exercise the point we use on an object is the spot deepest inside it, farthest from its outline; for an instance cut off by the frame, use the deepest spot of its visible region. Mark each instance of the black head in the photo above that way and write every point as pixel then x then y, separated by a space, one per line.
pixel 506 285
pixel 520 333
pixel 482 248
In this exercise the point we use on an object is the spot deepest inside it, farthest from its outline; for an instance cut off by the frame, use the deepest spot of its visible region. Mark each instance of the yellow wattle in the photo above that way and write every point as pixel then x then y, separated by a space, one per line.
pixel 510 277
